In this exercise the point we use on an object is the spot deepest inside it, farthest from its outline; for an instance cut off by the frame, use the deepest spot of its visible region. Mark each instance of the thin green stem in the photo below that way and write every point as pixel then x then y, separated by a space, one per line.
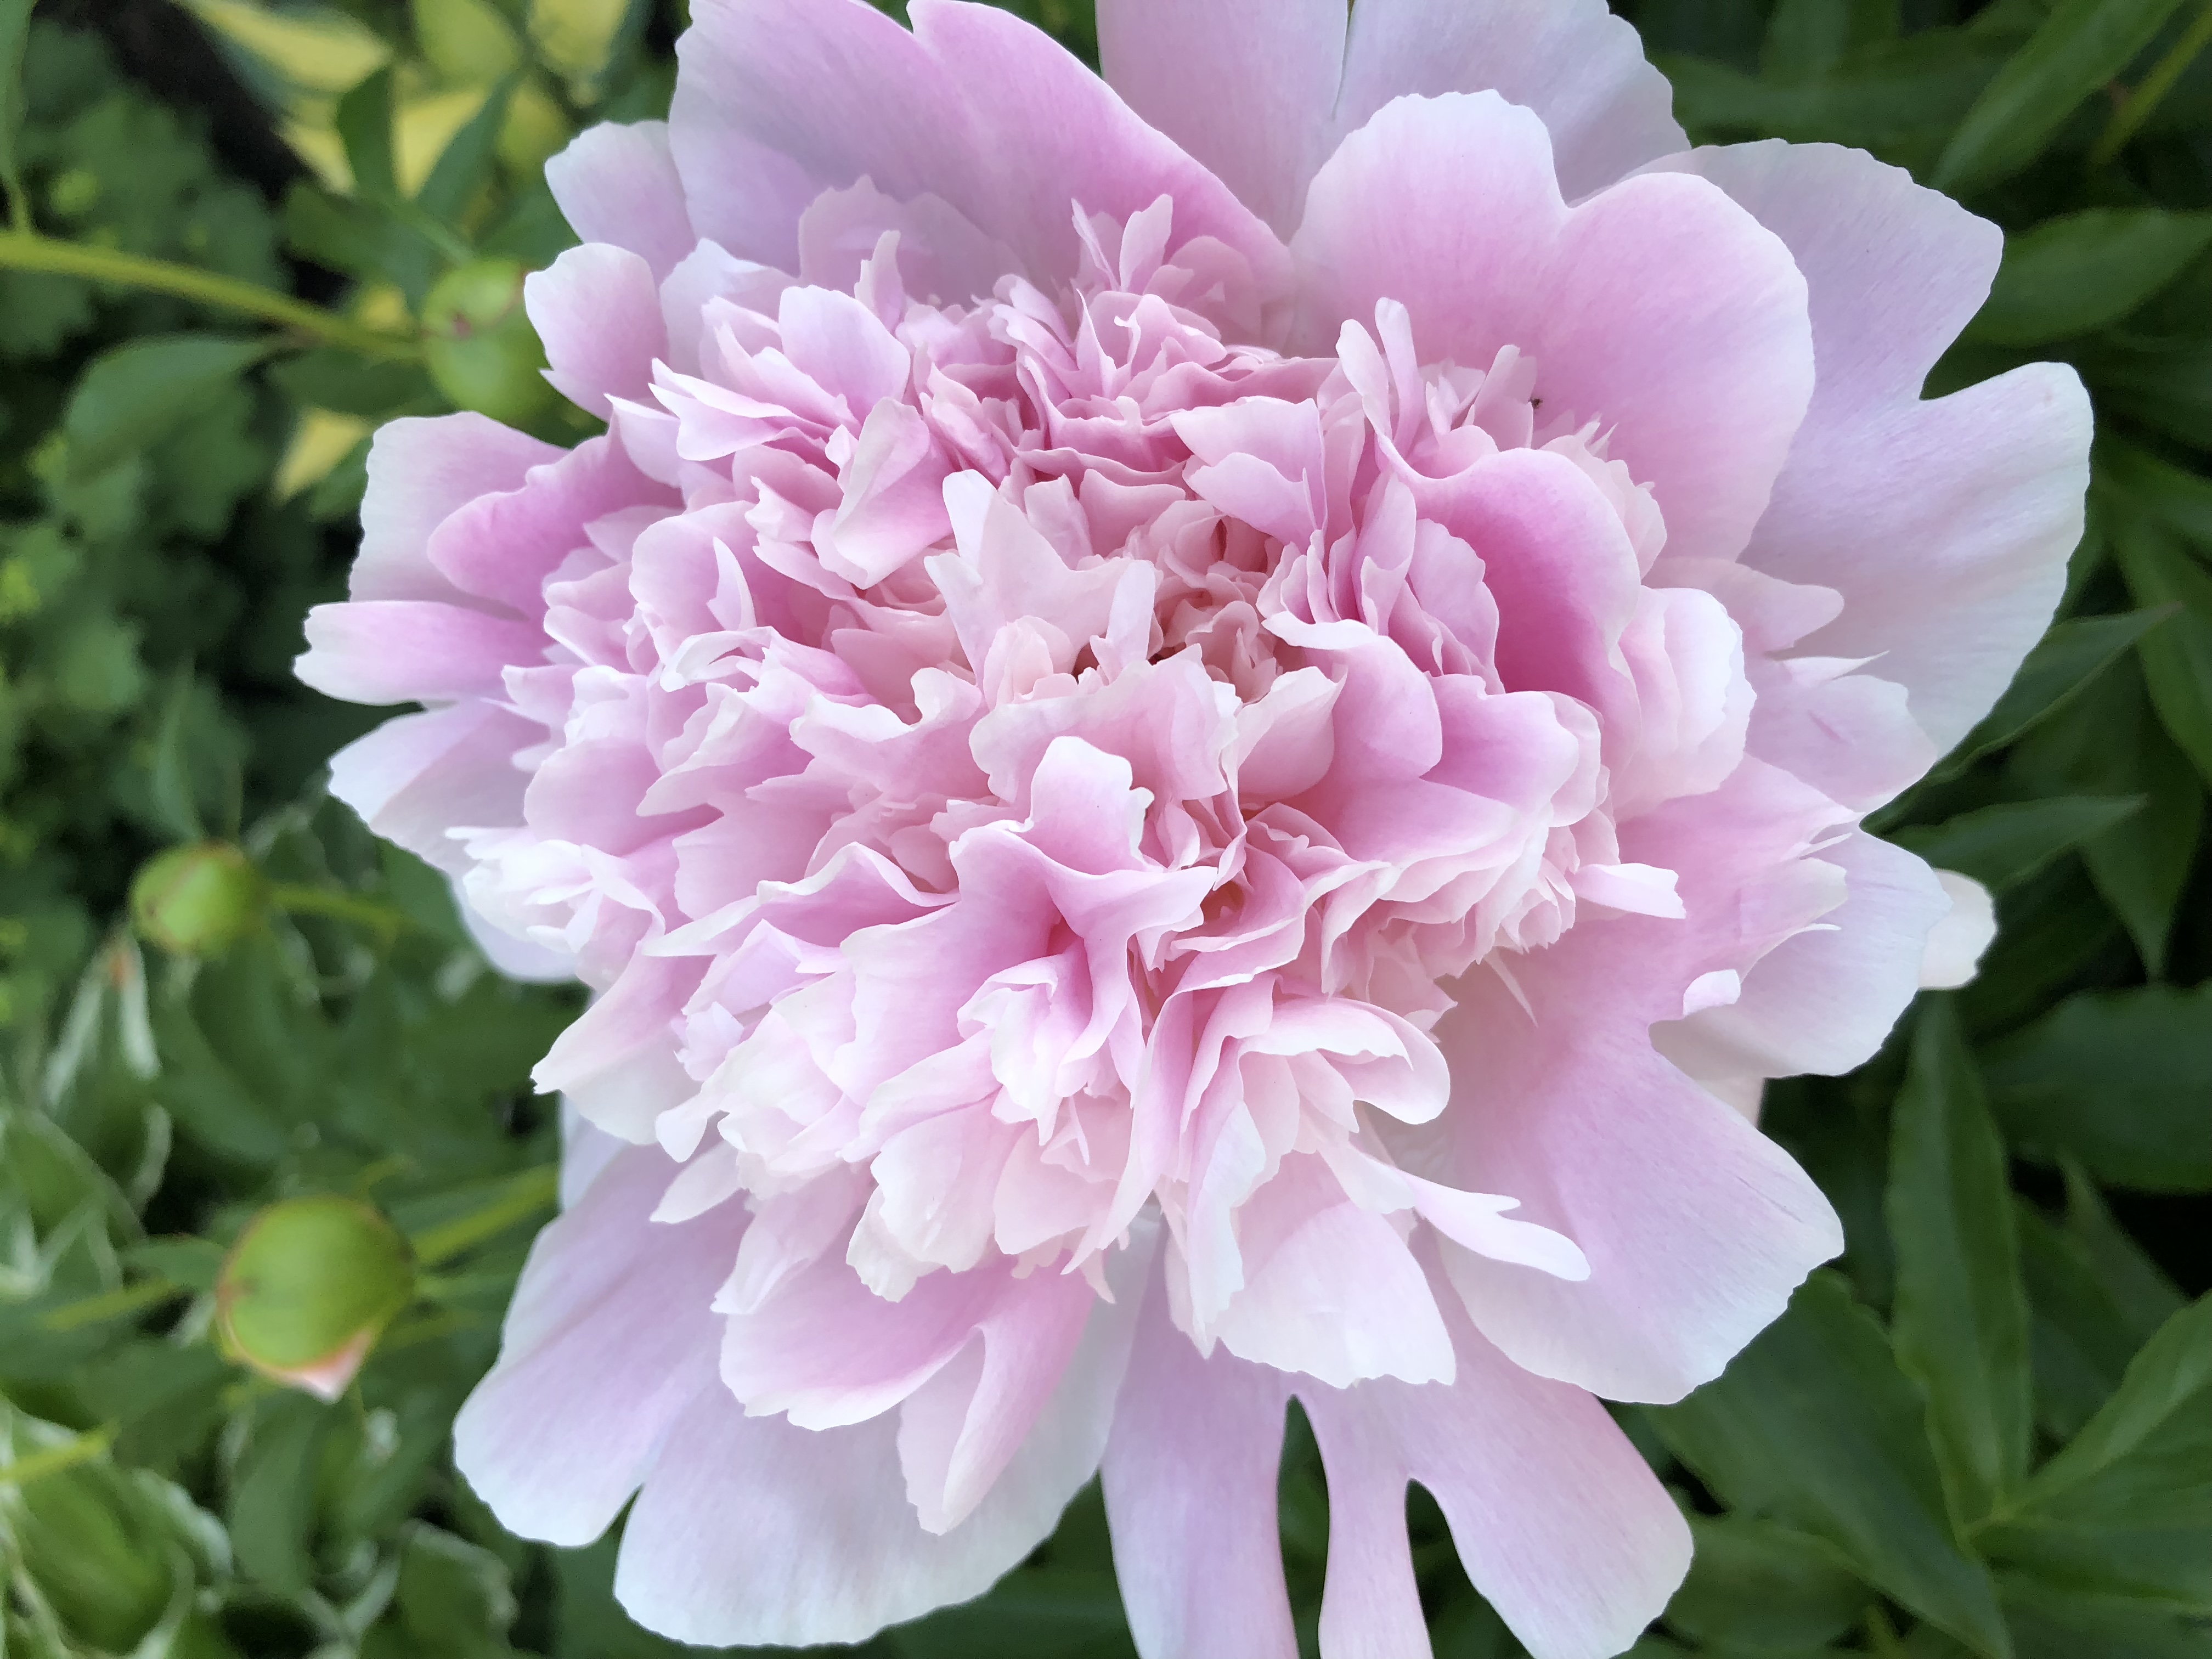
pixel 2136 108
pixel 111 1304
pixel 27 250
pixel 94 1443
pixel 523 1197
pixel 297 898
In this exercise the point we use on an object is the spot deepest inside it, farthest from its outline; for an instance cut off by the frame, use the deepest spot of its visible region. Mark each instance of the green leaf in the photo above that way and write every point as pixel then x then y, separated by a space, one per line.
pixel 2079 47
pixel 2126 1506
pixel 2078 1340
pixel 2077 273
pixel 2109 741
pixel 1755 1584
pixel 2053 1622
pixel 364 125
pixel 465 164
pixel 272 1493
pixel 1815 1423
pixel 2063 664
pixel 2143 1296
pixel 2003 846
pixel 1960 1320
pixel 2178 660
pixel 135 395
pixel 15 37
pixel 2121 1079
pixel 2179 498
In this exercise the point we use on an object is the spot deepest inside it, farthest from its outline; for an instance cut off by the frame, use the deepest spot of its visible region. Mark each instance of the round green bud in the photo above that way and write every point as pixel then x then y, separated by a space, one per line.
pixel 197 901
pixel 308 1289
pixel 478 345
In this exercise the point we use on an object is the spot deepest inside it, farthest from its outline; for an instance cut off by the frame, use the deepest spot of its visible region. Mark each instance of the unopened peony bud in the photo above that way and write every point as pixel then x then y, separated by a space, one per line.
pixel 309 1286
pixel 197 901
pixel 478 343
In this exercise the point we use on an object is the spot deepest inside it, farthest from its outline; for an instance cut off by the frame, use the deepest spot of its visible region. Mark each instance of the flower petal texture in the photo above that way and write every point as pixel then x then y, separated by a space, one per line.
pixel 1198 733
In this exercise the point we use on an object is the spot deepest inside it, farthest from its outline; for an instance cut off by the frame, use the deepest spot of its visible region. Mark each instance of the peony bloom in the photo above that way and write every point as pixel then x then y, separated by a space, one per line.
pixel 1201 732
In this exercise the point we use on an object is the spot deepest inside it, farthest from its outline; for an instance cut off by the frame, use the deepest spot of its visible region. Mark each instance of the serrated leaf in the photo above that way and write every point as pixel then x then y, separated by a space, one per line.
pixel 2079 47
pixel 2178 660
pixel 2003 846
pixel 2120 1079
pixel 2077 273
pixel 1815 1423
pixel 136 394
pixel 2063 664
pixel 2126 1505
pixel 1755 1585
pixel 1960 1320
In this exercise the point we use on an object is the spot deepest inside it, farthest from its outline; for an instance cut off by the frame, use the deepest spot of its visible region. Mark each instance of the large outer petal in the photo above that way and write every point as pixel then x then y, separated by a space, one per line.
pixel 753 1532
pixel 1263 91
pixel 611 1338
pixel 1558 1520
pixel 421 472
pixel 417 777
pixel 780 100
pixel 617 184
pixel 1945 524
pixel 1666 315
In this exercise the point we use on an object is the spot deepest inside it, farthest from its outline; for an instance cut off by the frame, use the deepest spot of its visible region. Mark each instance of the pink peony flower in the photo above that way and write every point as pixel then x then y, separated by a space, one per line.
pixel 1201 732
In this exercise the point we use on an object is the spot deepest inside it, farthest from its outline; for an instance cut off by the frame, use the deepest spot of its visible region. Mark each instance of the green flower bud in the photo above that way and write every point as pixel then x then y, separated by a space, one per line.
pixel 308 1289
pixel 197 901
pixel 478 344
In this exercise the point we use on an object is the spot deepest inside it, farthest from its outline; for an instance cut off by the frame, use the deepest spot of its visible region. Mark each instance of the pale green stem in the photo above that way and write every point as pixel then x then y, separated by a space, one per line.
pixel 29 252
pixel 2136 108
pixel 525 1196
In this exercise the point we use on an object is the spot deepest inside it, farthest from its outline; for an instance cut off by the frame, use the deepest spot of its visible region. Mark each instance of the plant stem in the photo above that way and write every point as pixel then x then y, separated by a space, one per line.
pixel 297 898
pixel 94 1443
pixel 2129 117
pixel 525 1196
pixel 27 250
pixel 111 1304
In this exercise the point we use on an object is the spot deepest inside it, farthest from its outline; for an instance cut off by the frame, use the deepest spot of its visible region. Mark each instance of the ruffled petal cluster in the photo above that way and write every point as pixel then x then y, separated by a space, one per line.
pixel 1201 737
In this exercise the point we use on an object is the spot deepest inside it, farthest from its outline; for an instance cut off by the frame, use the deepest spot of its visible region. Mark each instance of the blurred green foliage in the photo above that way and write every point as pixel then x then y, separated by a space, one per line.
pixel 1987 1432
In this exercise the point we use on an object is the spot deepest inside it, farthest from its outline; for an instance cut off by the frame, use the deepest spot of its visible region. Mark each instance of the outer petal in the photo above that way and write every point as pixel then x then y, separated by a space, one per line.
pixel 610 1336
pixel 1558 1521
pixel 753 1532
pixel 1956 943
pixel 1190 1492
pixel 378 651
pixel 781 100
pixel 598 309
pixel 1262 93
pixel 1249 87
pixel 415 777
pixel 1556 1518
pixel 1945 524
pixel 618 184
pixel 1667 316
pixel 420 472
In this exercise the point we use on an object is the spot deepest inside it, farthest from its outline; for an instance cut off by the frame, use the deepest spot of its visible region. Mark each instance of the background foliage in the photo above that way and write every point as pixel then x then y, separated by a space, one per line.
pixel 1987 1432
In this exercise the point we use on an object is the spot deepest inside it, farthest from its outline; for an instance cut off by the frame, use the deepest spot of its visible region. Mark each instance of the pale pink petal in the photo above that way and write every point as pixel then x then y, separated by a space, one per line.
pixel 1945 524
pixel 1190 1476
pixel 618 184
pixel 597 308
pixel 1262 94
pixel 420 472
pixel 781 100
pixel 609 1339
pixel 1558 1522
pixel 1956 943
pixel 413 779
pixel 1666 315
pixel 411 651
